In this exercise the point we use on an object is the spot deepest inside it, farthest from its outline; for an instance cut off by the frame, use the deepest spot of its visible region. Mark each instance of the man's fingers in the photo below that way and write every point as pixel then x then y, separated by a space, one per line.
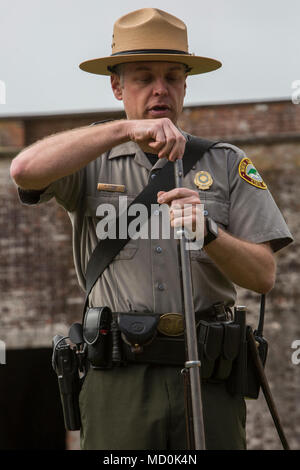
pixel 160 193
pixel 175 143
pixel 158 135
pixel 181 195
pixel 191 218
pixel 189 210
pixel 151 147
pixel 156 142
pixel 148 134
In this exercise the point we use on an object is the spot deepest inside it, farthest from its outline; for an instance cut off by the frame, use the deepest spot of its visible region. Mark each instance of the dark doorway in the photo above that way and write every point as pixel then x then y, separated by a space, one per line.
pixel 30 413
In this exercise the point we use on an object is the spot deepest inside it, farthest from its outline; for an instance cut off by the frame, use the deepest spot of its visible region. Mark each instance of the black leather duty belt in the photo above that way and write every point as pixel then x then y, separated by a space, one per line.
pixel 167 346
pixel 118 338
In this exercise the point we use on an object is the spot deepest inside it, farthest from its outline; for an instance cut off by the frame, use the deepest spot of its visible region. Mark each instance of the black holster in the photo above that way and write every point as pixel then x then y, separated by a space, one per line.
pixel 65 364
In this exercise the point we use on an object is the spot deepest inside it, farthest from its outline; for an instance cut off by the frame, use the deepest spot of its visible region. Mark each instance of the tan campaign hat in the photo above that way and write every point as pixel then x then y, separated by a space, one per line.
pixel 150 34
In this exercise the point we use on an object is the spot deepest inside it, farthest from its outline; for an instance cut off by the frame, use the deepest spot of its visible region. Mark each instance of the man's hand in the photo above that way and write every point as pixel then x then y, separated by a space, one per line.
pixel 158 136
pixel 185 209
pixel 250 265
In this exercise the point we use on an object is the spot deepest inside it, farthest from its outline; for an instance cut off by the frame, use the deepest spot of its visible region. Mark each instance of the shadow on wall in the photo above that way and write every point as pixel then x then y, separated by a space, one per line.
pixel 31 416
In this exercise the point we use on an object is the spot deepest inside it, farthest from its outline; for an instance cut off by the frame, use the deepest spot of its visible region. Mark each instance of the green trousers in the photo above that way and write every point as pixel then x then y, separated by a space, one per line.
pixel 141 407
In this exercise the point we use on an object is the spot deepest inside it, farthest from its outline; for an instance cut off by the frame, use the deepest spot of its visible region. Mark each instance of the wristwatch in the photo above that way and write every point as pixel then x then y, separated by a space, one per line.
pixel 211 230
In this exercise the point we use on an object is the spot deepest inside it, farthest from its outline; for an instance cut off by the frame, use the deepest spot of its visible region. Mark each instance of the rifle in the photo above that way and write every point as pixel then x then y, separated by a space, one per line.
pixel 191 371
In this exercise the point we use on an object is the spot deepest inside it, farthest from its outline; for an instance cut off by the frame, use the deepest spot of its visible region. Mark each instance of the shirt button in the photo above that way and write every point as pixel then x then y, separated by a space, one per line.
pixel 158 249
pixel 161 287
pixel 153 176
pixel 156 212
pixel 205 212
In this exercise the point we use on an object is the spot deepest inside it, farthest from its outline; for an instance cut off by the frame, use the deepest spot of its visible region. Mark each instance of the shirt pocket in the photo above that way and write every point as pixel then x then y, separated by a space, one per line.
pixel 110 211
pixel 218 210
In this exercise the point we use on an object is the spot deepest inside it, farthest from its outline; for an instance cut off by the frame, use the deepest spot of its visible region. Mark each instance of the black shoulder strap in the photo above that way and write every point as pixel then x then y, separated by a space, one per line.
pixel 108 248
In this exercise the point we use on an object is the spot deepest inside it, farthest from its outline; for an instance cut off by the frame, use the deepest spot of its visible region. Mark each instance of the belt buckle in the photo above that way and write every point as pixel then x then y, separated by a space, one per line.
pixel 171 324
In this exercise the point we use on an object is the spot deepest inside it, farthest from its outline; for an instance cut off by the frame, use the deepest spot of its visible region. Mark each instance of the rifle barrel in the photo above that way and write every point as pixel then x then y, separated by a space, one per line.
pixel 193 364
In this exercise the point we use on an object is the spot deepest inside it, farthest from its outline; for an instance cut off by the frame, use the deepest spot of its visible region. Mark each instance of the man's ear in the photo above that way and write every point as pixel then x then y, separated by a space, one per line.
pixel 116 86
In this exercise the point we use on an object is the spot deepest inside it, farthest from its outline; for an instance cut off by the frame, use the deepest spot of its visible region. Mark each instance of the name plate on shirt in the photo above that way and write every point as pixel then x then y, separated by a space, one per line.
pixel 120 188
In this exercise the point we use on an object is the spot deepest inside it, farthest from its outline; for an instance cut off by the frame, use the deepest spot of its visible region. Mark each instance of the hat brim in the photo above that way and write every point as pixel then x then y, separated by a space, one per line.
pixel 196 64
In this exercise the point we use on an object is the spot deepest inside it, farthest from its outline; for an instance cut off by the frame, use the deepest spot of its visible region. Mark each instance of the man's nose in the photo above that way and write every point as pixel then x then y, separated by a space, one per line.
pixel 160 87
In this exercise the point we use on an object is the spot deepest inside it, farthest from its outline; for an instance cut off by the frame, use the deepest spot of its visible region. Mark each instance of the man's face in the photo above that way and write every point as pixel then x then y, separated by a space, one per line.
pixel 151 90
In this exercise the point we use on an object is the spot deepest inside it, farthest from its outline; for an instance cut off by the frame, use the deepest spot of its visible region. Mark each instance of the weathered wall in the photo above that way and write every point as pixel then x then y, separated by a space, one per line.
pixel 280 165
pixel 39 291
pixel 37 278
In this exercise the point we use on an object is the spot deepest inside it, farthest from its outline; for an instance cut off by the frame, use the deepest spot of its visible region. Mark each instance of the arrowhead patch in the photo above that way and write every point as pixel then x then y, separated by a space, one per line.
pixel 249 173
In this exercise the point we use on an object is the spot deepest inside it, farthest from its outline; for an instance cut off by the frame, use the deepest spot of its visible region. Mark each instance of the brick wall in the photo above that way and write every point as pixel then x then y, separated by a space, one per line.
pixel 243 121
pixel 40 296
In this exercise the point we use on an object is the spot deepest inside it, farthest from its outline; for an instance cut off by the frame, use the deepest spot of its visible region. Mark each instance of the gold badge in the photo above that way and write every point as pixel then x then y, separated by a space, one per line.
pixel 249 173
pixel 171 324
pixel 203 180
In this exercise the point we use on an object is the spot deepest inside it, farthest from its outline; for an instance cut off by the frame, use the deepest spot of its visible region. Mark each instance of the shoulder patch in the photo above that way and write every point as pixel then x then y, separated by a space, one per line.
pixel 249 173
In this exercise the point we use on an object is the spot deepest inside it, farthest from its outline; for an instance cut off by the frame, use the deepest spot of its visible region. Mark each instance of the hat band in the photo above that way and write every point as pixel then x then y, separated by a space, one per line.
pixel 151 51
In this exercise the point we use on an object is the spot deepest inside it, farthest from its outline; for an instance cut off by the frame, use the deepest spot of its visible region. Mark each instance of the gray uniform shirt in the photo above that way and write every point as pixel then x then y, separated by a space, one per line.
pixel 144 276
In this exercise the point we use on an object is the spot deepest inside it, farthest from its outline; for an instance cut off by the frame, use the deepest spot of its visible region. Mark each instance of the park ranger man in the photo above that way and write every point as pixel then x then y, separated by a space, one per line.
pixel 140 405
